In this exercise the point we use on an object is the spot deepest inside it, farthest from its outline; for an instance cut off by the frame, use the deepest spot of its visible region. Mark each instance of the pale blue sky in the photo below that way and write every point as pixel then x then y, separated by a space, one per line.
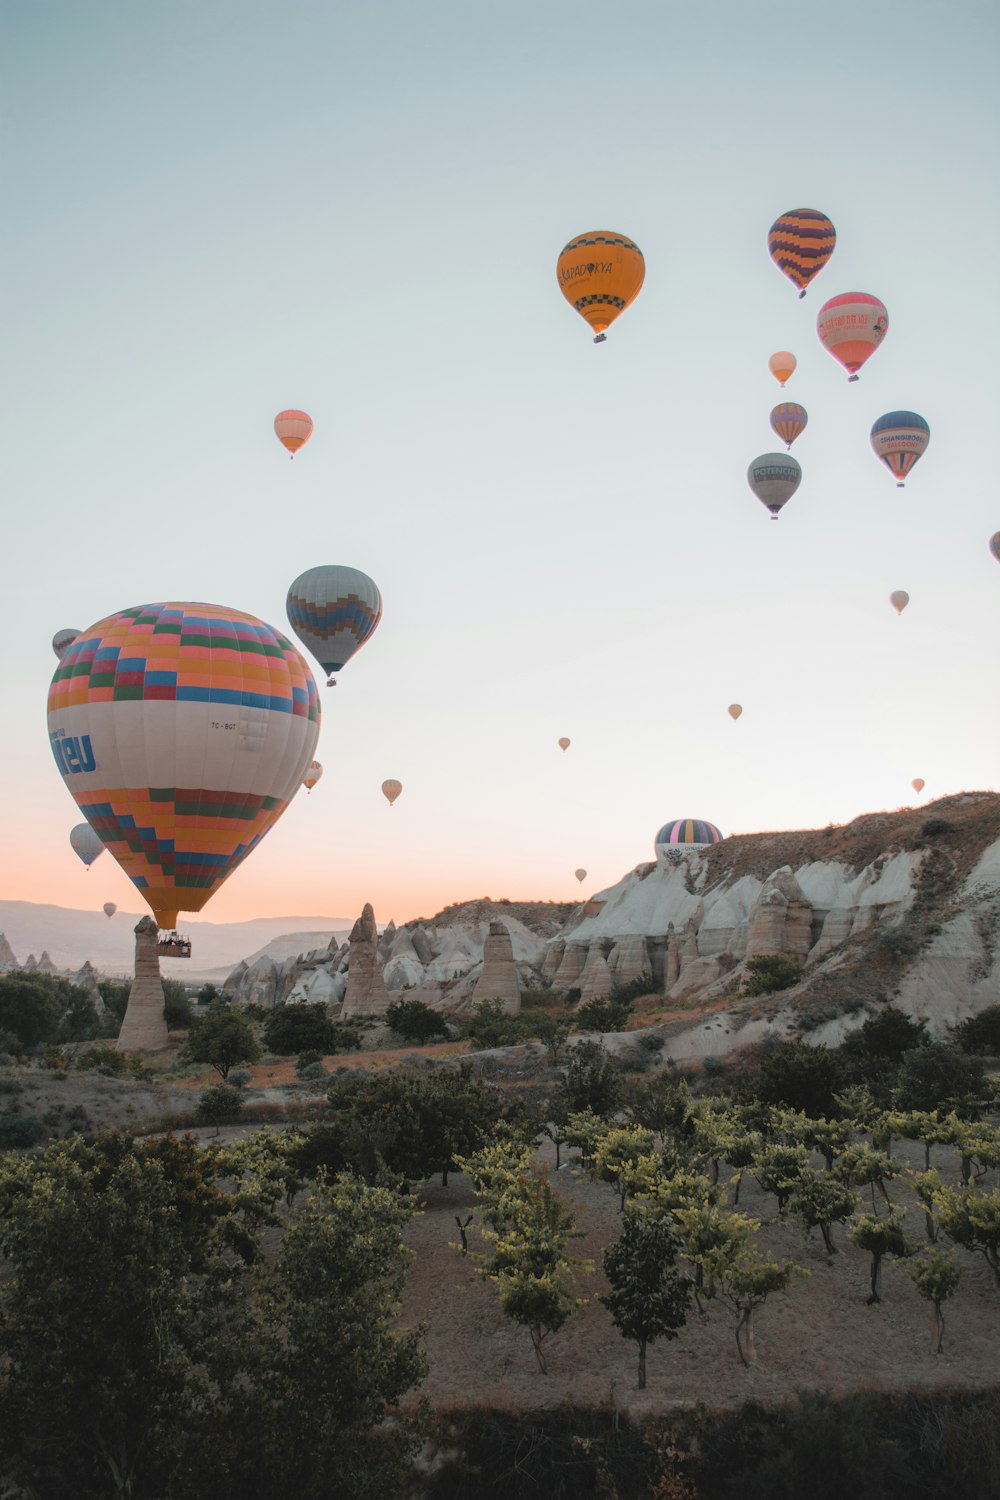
pixel 218 210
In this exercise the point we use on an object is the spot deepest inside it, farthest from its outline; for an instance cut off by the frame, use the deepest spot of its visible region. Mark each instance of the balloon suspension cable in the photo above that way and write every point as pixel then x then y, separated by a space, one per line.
pixel 601 338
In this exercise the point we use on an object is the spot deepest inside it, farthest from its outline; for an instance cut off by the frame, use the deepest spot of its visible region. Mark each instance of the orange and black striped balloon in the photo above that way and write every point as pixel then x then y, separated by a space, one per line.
pixel 600 273
pixel 800 244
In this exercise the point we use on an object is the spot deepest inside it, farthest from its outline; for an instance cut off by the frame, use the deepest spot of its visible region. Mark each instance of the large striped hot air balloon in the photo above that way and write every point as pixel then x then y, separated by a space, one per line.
pixel 182 731
pixel 293 429
pixel 774 478
pixel 852 326
pixel 333 610
pixel 800 243
pixel 600 274
pixel 899 439
pixel 789 420
pixel 682 834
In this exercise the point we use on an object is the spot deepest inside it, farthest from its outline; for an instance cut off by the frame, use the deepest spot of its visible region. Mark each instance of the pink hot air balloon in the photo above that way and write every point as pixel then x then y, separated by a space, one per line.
pixel 293 429
pixel 918 783
pixel 851 327
pixel 782 365
pixel 564 743
pixel 899 599
pixel 734 710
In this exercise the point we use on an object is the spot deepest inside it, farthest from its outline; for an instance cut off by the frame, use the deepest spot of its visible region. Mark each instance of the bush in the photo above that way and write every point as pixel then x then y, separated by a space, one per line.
pixel 102 1060
pixel 219 1104
pixel 490 1026
pixel 239 1078
pixel 603 1015
pixel 19 1131
pixel 797 1076
pixel 769 972
pixel 980 1033
pixel 32 1007
pixel 311 1072
pixel 291 1029
pixel 939 1076
pixel 415 1022
pixel 937 827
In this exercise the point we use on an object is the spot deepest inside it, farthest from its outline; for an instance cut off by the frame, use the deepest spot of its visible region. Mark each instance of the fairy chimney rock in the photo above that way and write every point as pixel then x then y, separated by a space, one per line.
pixel 7 960
pixel 366 993
pixel 595 981
pixel 144 1028
pixel 498 980
pixel 780 920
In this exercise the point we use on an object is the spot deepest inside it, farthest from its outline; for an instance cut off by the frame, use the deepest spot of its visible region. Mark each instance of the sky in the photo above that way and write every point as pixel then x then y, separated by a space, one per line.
pixel 218 210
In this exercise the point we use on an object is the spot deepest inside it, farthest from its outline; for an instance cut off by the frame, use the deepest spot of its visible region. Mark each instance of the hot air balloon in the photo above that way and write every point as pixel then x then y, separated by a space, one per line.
pixel 333 610
pixel 789 420
pixel 852 326
pixel 918 783
pixel 800 243
pixel 85 843
pixel 734 710
pixel 782 365
pixel 995 545
pixel 599 274
pixel 899 599
pixel 899 439
pixel 109 908
pixel 312 775
pixel 564 743
pixel 774 478
pixel 391 790
pixel 683 834
pixel 182 731
pixel 62 640
pixel 581 875
pixel 293 429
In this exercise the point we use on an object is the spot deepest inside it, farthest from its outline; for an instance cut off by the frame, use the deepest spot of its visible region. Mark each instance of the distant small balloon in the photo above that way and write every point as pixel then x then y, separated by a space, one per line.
pixel 313 775
pixel 564 743
pixel 391 790
pixel 85 843
pixel 62 640
pixel 734 710
pixel 782 365
pixel 293 429
pixel 995 545
pixel 918 783
pixel 899 599
pixel 109 908
pixel 581 875
pixel 789 420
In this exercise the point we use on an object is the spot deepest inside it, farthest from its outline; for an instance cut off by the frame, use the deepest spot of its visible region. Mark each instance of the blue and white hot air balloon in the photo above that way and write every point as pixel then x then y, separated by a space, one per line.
pixel 899 438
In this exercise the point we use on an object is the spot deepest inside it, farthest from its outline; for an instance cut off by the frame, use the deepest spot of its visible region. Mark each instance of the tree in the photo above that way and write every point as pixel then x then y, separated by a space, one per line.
pixel 549 1029
pixel 770 972
pixel 861 1166
pixel 603 1014
pixel 591 1081
pixel 880 1237
pixel 778 1169
pixel 972 1219
pixel 219 1104
pixel 415 1022
pixel 177 1010
pixel 649 1298
pixel 799 1077
pixel 316 1369
pixel 222 1038
pixel 936 1275
pixel 290 1029
pixel 940 1077
pixel 617 1154
pixel 209 994
pixel 32 1006
pixel 980 1033
pixel 821 1201
pixel 490 1026
pixel 663 1104
pixel 891 1033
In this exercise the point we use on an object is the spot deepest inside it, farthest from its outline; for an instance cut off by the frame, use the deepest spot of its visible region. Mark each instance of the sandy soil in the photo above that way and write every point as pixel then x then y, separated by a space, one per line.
pixel 820 1335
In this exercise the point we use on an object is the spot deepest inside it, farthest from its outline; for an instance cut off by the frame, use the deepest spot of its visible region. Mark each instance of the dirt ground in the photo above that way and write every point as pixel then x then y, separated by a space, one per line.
pixel 820 1335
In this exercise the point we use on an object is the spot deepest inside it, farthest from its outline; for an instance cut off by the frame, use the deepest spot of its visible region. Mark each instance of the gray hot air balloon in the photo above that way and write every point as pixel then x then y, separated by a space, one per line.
pixel 85 843
pixel 774 478
pixel 62 640
pixel 333 610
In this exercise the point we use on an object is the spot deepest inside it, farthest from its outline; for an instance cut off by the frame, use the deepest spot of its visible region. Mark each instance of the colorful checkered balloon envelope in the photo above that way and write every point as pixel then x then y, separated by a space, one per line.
pixel 182 731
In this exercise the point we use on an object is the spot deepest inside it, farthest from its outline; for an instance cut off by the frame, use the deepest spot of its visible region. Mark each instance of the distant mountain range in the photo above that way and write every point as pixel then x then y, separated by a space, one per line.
pixel 70 936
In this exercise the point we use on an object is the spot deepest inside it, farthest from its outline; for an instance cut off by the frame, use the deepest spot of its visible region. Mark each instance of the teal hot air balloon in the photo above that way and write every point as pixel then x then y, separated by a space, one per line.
pixel 899 438
pixel 788 420
pixel 333 610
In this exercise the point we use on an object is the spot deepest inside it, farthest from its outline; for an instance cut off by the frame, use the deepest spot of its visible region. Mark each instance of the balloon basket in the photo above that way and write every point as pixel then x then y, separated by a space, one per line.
pixel 852 378
pixel 331 682
pixel 172 946
pixel 601 338
pixel 801 294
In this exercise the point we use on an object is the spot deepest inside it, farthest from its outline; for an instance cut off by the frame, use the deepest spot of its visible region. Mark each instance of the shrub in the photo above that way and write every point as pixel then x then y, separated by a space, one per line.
pixel 219 1104
pixel 103 1060
pixel 799 1077
pixel 980 1033
pixel 311 1072
pixel 300 1028
pixel 937 827
pixel 939 1076
pixel 490 1026
pixel 769 972
pixel 603 1015
pixel 415 1022
pixel 20 1130
pixel 239 1078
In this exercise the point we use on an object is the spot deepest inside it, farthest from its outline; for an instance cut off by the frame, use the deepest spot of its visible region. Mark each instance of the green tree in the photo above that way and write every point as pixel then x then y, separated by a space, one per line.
pixel 32 1007
pixel 880 1237
pixel 940 1077
pixel 604 1014
pixel 490 1026
pixel 936 1275
pixel 799 1077
pixel 316 1368
pixel 663 1104
pixel 891 1033
pixel 980 1033
pixel 649 1298
pixel 549 1029
pixel 778 1169
pixel 820 1201
pixel 219 1104
pixel 590 1081
pixel 617 1154
pixel 972 1219
pixel 290 1029
pixel 209 994
pixel 177 1004
pixel 415 1021
pixel 221 1038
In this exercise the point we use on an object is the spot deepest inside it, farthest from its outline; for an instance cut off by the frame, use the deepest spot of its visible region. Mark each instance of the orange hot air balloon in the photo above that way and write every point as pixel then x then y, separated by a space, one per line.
pixel 782 365
pixel 293 429
pixel 564 743
pixel 734 710
pixel 391 790
pixel 800 243
pixel 918 783
pixel 899 599
pixel 313 775
pixel 600 274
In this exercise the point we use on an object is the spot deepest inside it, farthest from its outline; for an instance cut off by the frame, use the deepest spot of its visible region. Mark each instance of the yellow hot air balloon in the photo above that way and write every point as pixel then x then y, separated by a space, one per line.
pixel 182 731
pixel 564 743
pixel 899 599
pixel 391 790
pixel 293 429
pixel 782 365
pixel 581 875
pixel 918 783
pixel 734 710
pixel 313 775
pixel 600 274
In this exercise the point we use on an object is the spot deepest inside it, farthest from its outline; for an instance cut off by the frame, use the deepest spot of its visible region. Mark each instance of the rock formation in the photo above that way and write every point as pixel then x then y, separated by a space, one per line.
pixel 8 963
pixel 31 964
pixel 595 981
pixel 780 920
pixel 144 1028
pixel 498 980
pixel 45 964
pixel 366 993
pixel 629 960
